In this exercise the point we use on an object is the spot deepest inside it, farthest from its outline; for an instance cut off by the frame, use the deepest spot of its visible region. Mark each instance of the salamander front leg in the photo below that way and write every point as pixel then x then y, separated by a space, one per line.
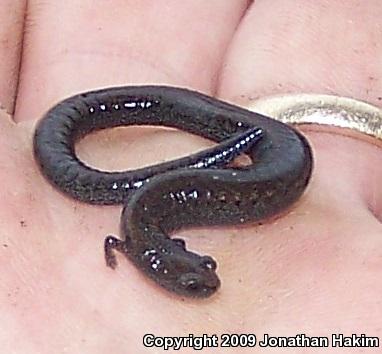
pixel 112 243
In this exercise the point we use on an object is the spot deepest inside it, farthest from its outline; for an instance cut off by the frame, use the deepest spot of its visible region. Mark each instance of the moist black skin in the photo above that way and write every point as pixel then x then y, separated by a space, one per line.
pixel 196 190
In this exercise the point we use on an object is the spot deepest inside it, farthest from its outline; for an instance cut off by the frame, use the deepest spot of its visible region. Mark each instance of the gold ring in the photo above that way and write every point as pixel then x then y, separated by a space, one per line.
pixel 348 116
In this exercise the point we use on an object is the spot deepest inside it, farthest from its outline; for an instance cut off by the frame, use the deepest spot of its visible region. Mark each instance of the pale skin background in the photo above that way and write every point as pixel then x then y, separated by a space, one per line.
pixel 316 270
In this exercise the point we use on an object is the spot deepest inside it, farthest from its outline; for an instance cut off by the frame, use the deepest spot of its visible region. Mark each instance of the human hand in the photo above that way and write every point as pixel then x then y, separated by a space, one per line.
pixel 315 270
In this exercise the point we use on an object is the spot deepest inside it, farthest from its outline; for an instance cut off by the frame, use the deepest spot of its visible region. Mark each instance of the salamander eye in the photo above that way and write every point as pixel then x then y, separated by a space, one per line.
pixel 180 242
pixel 190 281
pixel 208 262
pixel 197 285
pixel 192 284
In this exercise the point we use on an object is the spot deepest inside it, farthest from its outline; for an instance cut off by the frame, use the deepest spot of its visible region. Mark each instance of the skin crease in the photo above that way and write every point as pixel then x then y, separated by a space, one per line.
pixel 316 269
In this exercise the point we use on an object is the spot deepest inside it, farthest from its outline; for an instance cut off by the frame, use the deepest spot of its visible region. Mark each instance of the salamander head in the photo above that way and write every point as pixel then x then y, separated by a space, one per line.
pixel 198 279
pixel 184 273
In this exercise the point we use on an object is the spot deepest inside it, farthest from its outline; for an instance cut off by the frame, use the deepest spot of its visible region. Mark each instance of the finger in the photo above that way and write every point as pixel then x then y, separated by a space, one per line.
pixel 326 47
pixel 307 46
pixel 77 45
pixel 11 33
pixel 312 46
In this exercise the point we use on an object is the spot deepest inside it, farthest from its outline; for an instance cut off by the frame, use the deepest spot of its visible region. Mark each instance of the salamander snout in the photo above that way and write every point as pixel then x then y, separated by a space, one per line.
pixel 201 281
pixel 198 285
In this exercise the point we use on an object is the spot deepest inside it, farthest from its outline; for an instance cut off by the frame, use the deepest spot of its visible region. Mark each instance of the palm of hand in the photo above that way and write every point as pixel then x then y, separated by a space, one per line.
pixel 58 295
